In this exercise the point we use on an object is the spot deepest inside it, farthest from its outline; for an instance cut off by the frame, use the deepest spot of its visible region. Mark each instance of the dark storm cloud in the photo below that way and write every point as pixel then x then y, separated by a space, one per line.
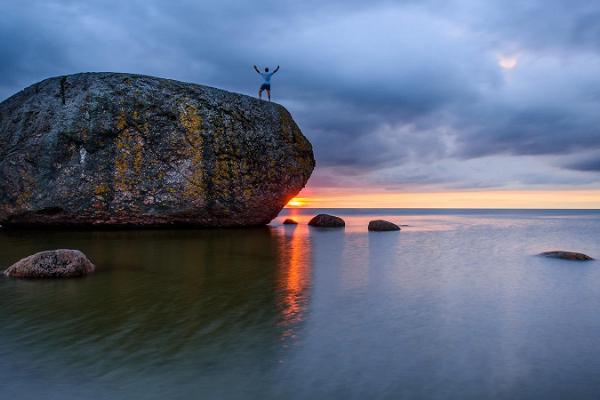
pixel 591 165
pixel 375 85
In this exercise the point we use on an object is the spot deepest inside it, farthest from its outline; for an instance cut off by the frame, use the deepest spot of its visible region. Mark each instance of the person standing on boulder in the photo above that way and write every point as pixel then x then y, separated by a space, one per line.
pixel 267 81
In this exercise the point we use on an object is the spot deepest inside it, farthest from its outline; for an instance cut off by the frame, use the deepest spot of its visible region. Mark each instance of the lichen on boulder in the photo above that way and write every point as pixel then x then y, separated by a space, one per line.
pixel 114 149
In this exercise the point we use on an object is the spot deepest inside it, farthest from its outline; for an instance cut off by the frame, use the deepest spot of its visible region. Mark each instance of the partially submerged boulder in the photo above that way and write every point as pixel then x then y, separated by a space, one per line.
pixel 289 221
pixel 113 149
pixel 61 263
pixel 380 225
pixel 327 221
pixel 566 255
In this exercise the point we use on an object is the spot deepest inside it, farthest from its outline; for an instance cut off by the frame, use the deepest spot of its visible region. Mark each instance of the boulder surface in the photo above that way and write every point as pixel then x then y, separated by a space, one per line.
pixel 114 149
pixel 289 221
pixel 327 221
pixel 567 255
pixel 380 225
pixel 52 264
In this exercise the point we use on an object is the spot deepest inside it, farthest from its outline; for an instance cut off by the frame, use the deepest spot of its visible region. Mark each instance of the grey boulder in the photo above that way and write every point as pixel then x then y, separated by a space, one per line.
pixel 114 149
pixel 327 221
pixel 566 255
pixel 61 263
pixel 381 225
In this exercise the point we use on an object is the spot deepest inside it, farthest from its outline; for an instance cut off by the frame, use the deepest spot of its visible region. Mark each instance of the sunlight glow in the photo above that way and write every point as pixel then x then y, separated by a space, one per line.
pixel 507 62
pixel 380 198
pixel 297 202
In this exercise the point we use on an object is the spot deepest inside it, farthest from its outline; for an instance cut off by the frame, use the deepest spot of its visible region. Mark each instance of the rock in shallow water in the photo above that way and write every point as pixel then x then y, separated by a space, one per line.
pixel 129 150
pixel 52 264
pixel 289 221
pixel 381 225
pixel 327 221
pixel 567 255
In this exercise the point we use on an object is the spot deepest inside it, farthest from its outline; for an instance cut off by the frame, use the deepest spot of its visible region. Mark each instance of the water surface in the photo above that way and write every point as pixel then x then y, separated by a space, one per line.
pixel 456 305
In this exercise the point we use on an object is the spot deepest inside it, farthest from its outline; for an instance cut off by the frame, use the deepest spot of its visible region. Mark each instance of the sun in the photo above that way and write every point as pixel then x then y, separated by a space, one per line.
pixel 297 202
pixel 507 62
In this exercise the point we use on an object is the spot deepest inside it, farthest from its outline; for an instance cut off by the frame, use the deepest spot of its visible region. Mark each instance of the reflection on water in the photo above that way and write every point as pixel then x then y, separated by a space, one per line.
pixel 294 277
pixel 453 306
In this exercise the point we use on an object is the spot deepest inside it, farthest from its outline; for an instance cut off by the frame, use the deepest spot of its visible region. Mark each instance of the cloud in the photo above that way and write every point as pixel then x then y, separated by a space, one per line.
pixel 390 93
pixel 591 165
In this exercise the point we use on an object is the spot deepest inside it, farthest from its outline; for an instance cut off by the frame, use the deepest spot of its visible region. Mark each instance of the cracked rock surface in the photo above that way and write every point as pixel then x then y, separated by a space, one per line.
pixel 109 149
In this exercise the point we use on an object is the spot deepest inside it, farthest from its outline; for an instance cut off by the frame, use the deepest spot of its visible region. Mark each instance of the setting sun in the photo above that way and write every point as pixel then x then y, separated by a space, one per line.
pixel 297 202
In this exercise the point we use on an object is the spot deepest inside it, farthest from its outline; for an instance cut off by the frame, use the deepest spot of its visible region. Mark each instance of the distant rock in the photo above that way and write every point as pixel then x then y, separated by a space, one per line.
pixel 52 264
pixel 327 221
pixel 289 221
pixel 381 225
pixel 566 255
pixel 113 149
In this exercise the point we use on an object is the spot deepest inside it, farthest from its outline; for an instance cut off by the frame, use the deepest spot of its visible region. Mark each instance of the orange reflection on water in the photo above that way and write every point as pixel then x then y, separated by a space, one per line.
pixel 294 277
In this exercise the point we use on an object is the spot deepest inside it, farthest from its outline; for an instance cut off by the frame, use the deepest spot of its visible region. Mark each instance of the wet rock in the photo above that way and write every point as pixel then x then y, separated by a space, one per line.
pixel 289 221
pixel 327 221
pixel 52 264
pixel 381 225
pixel 566 255
pixel 129 150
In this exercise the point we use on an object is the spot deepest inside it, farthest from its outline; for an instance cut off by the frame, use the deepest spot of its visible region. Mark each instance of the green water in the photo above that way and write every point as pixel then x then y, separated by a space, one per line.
pixel 453 306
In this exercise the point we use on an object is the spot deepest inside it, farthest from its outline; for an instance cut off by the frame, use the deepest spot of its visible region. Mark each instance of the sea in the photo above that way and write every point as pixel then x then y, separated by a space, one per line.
pixel 456 305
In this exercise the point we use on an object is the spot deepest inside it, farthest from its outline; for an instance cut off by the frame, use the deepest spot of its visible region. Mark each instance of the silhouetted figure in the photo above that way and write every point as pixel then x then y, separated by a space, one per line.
pixel 267 81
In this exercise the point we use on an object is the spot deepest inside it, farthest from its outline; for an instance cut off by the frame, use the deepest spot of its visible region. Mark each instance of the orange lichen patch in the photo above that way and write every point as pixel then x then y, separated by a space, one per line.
pixel 191 121
pixel 101 189
pixel 121 121
pixel 121 161
pixel 26 193
pixel 130 155
pixel 138 156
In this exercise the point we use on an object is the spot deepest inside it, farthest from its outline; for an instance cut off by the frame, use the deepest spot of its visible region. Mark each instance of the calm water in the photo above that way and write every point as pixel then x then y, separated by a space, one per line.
pixel 455 306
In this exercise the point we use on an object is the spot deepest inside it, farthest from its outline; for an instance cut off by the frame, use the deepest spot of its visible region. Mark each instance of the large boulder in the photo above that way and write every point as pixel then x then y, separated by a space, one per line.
pixel 61 263
pixel 327 221
pixel 129 150
pixel 566 255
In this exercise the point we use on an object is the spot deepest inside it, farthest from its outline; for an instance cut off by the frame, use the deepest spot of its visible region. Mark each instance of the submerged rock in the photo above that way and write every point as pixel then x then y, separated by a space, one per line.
pixel 566 255
pixel 327 221
pixel 52 264
pixel 381 225
pixel 289 221
pixel 129 150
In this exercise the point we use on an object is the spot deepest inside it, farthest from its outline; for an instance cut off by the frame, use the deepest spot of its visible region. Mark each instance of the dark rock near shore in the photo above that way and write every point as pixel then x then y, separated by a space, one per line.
pixel 566 255
pixel 289 221
pixel 108 149
pixel 52 264
pixel 380 225
pixel 327 221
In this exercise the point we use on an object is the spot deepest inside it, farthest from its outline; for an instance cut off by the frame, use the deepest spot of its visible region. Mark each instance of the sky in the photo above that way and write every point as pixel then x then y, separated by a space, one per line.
pixel 462 103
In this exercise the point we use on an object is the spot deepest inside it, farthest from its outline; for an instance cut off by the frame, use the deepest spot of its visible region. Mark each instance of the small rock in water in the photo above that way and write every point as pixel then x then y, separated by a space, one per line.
pixel 567 255
pixel 382 225
pixel 61 263
pixel 289 221
pixel 327 221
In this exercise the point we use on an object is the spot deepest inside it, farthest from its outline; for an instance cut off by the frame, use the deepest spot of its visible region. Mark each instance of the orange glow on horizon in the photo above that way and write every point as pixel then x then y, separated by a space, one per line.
pixel 380 198
pixel 297 202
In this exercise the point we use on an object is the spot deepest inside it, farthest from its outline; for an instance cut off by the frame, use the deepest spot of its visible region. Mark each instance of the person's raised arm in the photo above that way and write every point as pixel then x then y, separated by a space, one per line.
pixel 256 69
pixel 276 69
